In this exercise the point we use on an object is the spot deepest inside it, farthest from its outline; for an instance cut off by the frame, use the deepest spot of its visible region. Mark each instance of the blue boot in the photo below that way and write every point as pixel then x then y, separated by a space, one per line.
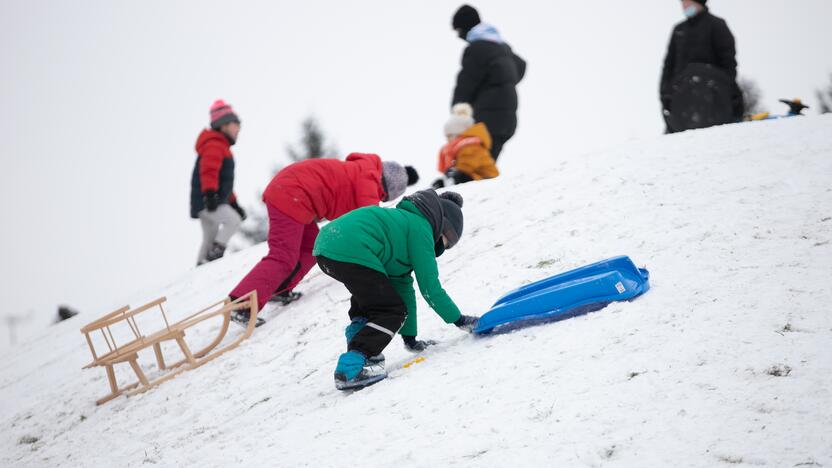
pixel 354 372
pixel 352 329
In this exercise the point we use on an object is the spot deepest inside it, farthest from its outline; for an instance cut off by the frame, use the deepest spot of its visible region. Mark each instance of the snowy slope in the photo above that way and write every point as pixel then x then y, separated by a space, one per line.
pixel 735 226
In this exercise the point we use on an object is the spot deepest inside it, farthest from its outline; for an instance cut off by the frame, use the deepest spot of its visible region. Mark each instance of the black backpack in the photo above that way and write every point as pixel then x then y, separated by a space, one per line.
pixel 703 96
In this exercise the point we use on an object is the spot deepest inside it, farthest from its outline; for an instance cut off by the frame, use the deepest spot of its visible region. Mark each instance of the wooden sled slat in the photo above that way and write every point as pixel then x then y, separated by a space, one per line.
pixel 128 353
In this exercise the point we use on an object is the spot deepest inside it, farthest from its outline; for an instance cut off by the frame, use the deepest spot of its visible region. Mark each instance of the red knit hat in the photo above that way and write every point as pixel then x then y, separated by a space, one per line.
pixel 221 114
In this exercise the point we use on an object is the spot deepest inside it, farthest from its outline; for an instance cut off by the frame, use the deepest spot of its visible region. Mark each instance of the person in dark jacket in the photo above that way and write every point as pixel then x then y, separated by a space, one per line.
pixel 212 183
pixel 702 39
pixel 375 252
pixel 489 75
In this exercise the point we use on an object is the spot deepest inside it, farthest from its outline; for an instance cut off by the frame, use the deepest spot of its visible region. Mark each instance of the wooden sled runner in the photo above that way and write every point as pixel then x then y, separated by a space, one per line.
pixel 128 353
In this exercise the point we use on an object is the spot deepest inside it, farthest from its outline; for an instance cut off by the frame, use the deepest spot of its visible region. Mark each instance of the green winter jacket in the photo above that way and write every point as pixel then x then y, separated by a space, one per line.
pixel 395 242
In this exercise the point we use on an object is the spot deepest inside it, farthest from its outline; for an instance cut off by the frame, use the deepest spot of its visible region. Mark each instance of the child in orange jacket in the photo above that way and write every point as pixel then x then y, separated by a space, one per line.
pixel 467 155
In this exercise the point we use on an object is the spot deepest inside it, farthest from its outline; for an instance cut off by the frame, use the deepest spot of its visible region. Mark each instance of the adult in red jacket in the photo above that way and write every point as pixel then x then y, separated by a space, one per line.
pixel 297 198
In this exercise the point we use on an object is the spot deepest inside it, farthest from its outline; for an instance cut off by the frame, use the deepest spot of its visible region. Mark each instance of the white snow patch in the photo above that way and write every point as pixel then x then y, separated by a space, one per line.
pixel 726 361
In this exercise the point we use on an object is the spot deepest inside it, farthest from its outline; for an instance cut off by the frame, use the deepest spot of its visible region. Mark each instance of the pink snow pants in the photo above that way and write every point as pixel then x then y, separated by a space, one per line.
pixel 290 247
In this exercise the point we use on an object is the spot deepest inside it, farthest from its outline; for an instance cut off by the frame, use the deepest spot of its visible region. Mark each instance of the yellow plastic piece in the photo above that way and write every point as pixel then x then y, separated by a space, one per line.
pixel 415 361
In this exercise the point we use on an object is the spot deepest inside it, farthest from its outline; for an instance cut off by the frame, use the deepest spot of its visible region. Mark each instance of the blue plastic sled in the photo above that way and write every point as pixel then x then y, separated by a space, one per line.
pixel 586 289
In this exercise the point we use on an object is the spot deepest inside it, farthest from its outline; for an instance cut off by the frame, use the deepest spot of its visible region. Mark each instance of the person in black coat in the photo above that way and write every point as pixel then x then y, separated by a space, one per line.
pixel 701 39
pixel 490 72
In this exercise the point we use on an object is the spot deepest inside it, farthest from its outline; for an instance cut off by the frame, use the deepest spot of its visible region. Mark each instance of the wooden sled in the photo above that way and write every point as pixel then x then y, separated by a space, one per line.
pixel 128 353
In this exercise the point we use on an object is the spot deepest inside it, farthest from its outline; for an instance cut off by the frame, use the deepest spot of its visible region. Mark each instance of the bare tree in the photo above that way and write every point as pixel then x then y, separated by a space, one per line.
pixel 12 321
pixel 825 98
pixel 752 96
pixel 255 229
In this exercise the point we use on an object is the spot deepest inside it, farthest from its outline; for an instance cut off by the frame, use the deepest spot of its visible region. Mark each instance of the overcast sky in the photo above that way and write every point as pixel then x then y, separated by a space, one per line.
pixel 101 103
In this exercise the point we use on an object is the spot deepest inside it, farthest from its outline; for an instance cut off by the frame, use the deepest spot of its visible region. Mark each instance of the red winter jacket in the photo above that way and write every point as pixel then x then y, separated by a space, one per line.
pixel 213 170
pixel 316 189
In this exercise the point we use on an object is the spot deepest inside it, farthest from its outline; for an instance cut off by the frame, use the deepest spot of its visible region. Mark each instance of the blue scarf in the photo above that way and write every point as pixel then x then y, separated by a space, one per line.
pixel 484 32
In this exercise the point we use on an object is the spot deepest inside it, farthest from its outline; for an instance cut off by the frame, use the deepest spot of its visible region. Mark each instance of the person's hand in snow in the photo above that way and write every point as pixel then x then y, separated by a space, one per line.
pixel 412 344
pixel 467 322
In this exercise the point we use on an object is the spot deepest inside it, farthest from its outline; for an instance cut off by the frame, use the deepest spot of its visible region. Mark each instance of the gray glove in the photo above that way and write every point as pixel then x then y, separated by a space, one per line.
pixel 467 323
pixel 417 346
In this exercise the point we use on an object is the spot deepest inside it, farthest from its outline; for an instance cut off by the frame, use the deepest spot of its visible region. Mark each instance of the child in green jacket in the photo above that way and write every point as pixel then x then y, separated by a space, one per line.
pixel 373 251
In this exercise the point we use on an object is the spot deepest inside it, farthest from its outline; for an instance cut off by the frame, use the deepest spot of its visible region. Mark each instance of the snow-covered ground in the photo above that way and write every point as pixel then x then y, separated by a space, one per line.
pixel 725 362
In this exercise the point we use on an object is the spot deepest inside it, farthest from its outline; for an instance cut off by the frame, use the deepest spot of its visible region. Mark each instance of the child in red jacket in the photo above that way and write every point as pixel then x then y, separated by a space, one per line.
pixel 297 198
pixel 212 183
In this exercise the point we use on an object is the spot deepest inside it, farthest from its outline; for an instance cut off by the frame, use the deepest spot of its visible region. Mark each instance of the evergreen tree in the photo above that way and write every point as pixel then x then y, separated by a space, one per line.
pixel 313 144
pixel 66 312
pixel 255 229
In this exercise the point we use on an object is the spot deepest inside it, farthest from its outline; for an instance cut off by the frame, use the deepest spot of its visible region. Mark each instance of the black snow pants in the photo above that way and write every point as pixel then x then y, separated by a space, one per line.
pixel 497 142
pixel 373 298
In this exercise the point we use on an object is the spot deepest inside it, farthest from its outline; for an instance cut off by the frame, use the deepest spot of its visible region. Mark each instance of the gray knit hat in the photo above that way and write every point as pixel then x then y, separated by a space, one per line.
pixel 395 178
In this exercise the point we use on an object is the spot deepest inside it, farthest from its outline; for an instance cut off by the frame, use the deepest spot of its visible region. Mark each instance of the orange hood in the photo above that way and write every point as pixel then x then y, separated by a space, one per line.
pixel 480 131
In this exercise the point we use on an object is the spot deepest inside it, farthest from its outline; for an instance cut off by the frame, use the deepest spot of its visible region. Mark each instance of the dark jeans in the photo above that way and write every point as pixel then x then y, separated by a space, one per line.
pixel 374 298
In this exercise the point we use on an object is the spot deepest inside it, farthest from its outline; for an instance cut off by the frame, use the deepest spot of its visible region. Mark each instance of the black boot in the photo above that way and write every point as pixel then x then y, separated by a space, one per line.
pixel 243 317
pixel 286 297
pixel 216 251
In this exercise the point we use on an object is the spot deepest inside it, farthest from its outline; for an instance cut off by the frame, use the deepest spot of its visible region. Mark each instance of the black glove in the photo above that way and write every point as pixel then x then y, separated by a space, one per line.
pixel 211 199
pixel 239 209
pixel 467 322
pixel 412 344
pixel 457 176
pixel 438 183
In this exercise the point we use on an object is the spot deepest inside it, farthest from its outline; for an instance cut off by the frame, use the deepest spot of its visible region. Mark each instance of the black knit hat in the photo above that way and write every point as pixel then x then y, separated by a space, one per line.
pixel 465 18
pixel 451 220
pixel 701 1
